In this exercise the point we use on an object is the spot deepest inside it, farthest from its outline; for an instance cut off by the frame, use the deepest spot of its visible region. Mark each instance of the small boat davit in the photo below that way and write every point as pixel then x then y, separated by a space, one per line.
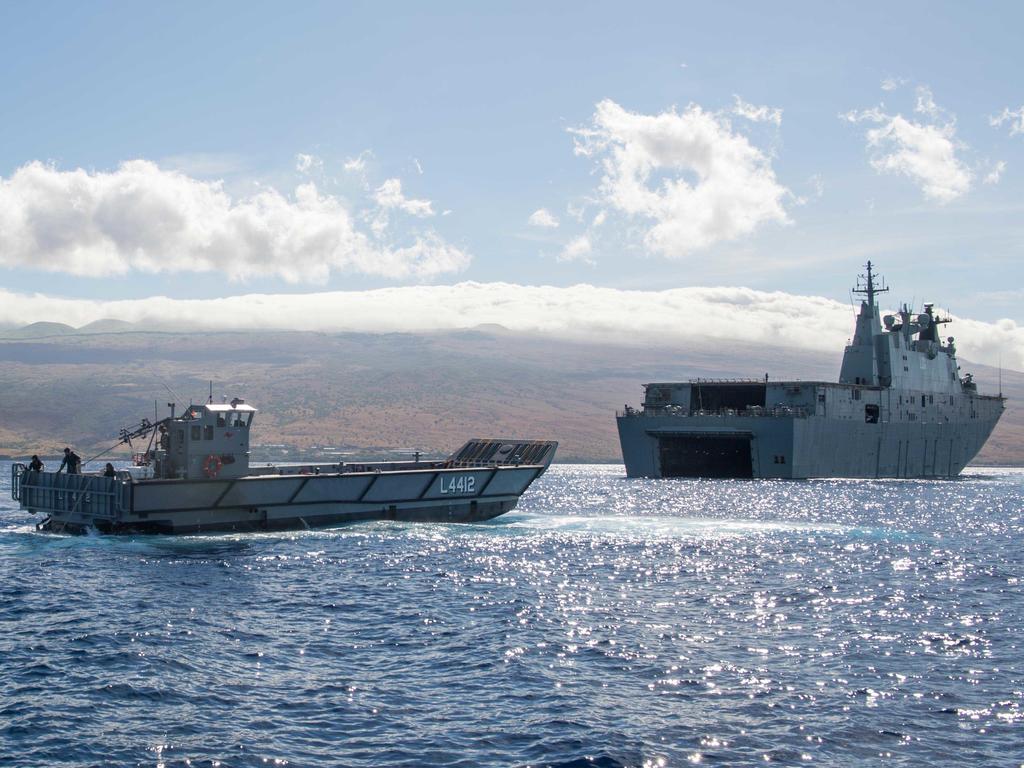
pixel 195 477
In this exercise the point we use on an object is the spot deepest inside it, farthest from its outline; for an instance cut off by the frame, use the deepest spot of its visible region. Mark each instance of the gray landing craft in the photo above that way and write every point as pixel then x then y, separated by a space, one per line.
pixel 195 477
pixel 900 409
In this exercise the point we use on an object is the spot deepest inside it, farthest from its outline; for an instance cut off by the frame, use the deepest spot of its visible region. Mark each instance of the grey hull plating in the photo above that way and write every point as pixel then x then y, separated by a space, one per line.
pixel 788 445
pixel 75 503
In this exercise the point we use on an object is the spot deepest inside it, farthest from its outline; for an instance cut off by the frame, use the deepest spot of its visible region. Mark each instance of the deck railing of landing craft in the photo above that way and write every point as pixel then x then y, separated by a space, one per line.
pixel 778 411
pixel 95 496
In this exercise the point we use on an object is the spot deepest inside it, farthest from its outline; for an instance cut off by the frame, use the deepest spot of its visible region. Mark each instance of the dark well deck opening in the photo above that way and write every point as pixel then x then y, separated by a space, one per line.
pixel 705 456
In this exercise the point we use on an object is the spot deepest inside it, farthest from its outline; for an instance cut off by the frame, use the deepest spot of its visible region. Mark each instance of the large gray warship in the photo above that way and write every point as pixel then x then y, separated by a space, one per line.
pixel 900 409
pixel 195 476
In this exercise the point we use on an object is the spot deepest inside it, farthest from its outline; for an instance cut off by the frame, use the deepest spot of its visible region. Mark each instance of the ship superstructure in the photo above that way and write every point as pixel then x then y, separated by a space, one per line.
pixel 900 409
pixel 195 476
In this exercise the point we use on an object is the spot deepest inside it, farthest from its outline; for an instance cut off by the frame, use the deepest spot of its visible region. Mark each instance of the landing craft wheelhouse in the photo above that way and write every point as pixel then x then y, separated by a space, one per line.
pixel 900 409
pixel 195 476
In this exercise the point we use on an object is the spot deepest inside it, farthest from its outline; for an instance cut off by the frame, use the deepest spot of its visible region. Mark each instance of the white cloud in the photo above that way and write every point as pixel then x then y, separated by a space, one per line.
pixel 542 217
pixel 357 164
pixel 389 195
pixel 305 163
pixel 695 179
pixel 994 175
pixel 581 312
pixel 141 217
pixel 757 114
pixel 925 152
pixel 925 104
pixel 578 249
pixel 1015 117
pixel 892 83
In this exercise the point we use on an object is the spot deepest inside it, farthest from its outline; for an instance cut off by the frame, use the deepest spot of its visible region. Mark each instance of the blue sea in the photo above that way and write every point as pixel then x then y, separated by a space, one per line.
pixel 605 622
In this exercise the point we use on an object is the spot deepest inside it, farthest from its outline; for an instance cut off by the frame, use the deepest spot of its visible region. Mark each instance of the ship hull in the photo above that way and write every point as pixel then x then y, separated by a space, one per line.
pixel 796 447
pixel 78 503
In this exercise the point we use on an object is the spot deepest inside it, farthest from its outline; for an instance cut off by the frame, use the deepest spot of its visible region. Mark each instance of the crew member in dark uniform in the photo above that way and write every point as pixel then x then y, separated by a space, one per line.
pixel 35 465
pixel 72 461
pixel 108 471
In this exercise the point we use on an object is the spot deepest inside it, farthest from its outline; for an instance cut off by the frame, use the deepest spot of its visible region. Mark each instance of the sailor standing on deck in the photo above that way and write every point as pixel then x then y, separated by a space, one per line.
pixel 73 462
pixel 35 465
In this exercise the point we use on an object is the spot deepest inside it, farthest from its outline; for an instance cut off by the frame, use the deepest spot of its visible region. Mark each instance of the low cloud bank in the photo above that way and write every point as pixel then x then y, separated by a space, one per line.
pixel 581 312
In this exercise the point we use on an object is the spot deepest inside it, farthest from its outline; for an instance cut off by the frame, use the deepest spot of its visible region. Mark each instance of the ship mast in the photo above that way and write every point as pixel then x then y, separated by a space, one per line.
pixel 866 286
pixel 860 360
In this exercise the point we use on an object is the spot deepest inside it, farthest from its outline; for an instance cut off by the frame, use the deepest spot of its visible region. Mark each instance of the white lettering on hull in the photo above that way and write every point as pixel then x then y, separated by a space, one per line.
pixel 458 485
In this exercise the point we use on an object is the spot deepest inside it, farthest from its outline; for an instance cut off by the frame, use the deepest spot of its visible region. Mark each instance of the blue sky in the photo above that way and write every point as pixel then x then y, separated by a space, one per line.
pixel 487 114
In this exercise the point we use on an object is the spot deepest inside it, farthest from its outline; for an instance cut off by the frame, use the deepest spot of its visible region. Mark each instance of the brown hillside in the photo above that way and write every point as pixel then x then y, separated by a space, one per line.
pixel 427 392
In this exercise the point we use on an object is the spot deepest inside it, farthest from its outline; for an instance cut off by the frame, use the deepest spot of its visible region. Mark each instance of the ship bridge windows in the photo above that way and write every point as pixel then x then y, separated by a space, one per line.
pixel 239 420
pixel 233 419
pixel 208 432
pixel 196 430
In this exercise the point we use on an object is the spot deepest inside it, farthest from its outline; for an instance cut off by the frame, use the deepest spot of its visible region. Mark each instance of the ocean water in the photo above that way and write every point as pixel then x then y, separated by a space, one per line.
pixel 605 622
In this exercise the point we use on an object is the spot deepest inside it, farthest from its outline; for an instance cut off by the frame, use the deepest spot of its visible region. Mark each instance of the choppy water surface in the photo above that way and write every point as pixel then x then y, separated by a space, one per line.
pixel 605 622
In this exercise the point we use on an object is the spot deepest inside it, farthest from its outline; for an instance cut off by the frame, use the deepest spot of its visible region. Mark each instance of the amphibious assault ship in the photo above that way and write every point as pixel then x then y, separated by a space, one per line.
pixel 195 476
pixel 900 409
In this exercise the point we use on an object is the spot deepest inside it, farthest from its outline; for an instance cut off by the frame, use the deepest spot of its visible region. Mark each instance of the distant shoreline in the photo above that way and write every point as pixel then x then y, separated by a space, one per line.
pixel 319 460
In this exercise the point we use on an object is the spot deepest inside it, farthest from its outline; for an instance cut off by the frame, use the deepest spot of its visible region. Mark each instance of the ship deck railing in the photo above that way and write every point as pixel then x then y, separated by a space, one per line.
pixel 88 497
pixel 777 411
pixel 739 380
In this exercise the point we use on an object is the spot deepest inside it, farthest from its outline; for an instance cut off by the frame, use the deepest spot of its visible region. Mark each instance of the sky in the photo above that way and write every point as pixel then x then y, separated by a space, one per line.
pixel 375 159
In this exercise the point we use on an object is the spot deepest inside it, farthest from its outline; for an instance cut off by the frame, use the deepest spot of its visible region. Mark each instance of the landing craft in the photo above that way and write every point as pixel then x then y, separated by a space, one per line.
pixel 900 409
pixel 195 476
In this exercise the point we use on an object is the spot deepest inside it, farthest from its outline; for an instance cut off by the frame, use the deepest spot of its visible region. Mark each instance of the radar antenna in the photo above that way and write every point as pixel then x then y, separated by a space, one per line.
pixel 929 309
pixel 866 285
